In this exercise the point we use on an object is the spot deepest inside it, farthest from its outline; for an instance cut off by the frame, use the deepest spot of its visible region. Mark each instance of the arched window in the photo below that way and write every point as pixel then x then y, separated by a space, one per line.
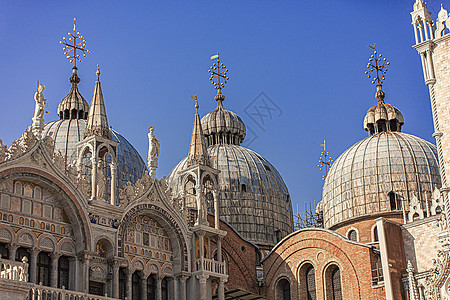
pixel 353 235
pixel 151 288
pixel 375 234
pixel 43 268
pixel 165 289
pixel 283 291
pixel 310 278
pixel 63 272
pixel 392 201
pixel 136 286
pixel 333 283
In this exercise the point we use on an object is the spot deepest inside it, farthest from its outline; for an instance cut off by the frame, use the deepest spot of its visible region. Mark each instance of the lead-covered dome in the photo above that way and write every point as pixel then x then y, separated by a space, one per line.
pixel 253 196
pixel 67 133
pixel 223 126
pixel 381 173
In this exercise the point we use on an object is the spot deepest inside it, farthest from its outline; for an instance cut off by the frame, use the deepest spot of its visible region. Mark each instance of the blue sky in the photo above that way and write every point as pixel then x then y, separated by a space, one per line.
pixel 308 57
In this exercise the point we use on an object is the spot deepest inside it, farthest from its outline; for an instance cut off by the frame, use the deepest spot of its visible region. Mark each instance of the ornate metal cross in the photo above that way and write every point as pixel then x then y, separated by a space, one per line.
pixel 79 43
pixel 378 65
pixel 325 160
pixel 218 71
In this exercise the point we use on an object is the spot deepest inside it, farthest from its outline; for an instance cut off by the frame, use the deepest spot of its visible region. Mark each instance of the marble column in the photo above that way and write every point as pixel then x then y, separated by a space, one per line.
pixel 158 287
pixel 129 283
pixel 183 287
pixel 12 249
pixel 33 264
pixel 221 289
pixel 216 209
pixel 174 283
pixel 54 272
pixel 144 286
pixel 202 279
pixel 113 182
pixel 86 274
pixel 219 248
pixel 93 177
pixel 115 278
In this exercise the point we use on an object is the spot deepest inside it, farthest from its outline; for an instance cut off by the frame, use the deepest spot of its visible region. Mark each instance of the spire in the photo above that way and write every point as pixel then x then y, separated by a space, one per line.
pixel 197 150
pixel 97 122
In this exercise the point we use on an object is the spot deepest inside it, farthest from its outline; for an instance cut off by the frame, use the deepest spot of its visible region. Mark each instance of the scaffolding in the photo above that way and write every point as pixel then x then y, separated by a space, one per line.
pixel 308 218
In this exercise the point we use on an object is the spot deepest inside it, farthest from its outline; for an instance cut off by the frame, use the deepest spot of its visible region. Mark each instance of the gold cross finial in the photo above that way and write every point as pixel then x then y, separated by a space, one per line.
pixel 378 65
pixel 218 71
pixel 325 160
pixel 323 145
pixel 79 43
pixel 196 103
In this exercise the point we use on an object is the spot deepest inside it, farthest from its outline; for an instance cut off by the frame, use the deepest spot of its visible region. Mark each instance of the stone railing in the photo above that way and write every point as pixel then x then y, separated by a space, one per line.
pixel 14 270
pixel 209 265
pixel 47 293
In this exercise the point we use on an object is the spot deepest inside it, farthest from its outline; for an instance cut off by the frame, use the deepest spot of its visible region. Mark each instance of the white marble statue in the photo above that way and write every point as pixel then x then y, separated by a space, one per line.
pixel 101 181
pixel 39 110
pixel 153 152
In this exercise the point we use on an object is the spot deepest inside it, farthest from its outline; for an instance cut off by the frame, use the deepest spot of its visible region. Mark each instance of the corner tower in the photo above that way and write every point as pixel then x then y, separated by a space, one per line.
pixel 432 42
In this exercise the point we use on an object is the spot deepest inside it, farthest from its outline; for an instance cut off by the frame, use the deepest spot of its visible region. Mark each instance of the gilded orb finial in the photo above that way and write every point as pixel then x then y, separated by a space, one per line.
pixel 79 43
pixel 378 65
pixel 98 73
pixel 218 73
pixel 196 103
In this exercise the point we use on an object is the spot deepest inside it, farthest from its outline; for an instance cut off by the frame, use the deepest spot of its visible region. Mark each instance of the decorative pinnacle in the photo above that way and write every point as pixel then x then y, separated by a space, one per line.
pixel 196 103
pixel 375 65
pixel 98 73
pixel 218 71
pixel 77 45
pixel 325 160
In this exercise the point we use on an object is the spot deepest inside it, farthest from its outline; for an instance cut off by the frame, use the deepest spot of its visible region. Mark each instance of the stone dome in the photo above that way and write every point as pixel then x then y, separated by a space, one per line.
pixel 254 198
pixel 380 173
pixel 67 133
pixel 222 126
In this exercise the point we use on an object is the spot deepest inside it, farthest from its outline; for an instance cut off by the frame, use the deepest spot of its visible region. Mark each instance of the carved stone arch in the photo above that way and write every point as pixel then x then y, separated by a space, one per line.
pixel 83 151
pixel 26 237
pixel 213 179
pixel 109 150
pixel 110 249
pixel 167 270
pixel 170 225
pixel 186 178
pixel 97 272
pixel 6 234
pixel 70 198
pixel 138 264
pixel 47 242
pixel 66 246
pixel 153 267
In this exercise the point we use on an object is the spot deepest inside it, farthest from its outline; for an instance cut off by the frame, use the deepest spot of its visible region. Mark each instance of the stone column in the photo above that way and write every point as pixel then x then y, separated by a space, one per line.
pixel 216 209
pixel 128 293
pixel 115 277
pixel 221 289
pixel 86 274
pixel 183 287
pixel 33 264
pixel 74 274
pixel 201 245
pixel 94 177
pixel 144 286
pixel 158 287
pixel 174 283
pixel 202 279
pixel 113 182
pixel 12 249
pixel 54 274
pixel 384 259
pixel 219 248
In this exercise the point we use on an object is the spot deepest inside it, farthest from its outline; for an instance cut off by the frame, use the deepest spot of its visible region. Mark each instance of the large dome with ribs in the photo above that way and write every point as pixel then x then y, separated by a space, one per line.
pixel 381 173
pixel 253 196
